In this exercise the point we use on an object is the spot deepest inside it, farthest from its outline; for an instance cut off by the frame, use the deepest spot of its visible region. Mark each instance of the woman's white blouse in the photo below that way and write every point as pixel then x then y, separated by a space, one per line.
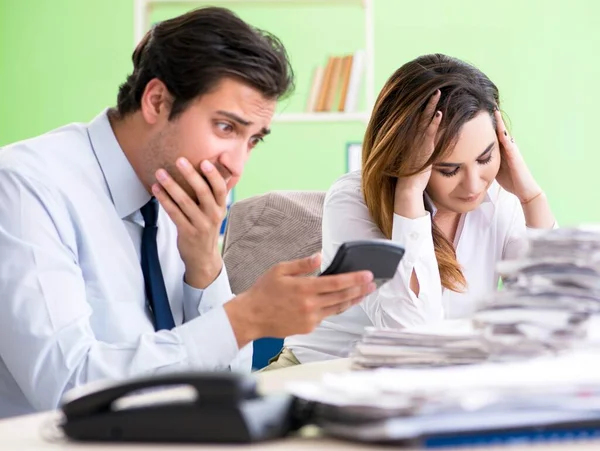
pixel 496 230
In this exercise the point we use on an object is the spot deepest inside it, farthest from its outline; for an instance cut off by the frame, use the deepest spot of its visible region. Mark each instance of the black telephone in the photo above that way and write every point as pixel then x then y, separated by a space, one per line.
pixel 226 408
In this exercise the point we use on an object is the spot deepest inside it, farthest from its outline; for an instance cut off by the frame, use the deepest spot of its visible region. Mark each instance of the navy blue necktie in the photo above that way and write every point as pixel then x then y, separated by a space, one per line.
pixel 153 278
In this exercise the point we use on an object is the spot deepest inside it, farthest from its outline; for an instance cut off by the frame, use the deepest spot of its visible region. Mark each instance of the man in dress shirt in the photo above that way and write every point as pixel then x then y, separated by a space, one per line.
pixel 96 281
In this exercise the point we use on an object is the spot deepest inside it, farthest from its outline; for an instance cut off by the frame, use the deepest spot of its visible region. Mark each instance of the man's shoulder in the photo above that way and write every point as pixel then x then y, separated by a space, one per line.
pixel 50 156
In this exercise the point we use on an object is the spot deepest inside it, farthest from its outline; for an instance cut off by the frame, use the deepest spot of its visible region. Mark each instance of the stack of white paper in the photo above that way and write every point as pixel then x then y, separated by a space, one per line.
pixel 570 381
pixel 446 343
pixel 543 398
pixel 550 296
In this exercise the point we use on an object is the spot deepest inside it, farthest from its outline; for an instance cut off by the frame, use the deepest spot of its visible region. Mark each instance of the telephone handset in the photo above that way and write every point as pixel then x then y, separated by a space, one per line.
pixel 222 407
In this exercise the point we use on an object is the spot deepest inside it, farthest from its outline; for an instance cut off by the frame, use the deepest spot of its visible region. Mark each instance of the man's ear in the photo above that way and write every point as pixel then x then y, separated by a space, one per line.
pixel 156 102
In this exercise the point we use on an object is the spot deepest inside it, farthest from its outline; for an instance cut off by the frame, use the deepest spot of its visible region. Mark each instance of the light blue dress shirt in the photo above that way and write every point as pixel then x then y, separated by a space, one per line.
pixel 72 299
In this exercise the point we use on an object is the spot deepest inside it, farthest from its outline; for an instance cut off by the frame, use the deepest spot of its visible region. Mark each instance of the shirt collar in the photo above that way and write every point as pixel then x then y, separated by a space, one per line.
pixel 126 190
pixel 487 207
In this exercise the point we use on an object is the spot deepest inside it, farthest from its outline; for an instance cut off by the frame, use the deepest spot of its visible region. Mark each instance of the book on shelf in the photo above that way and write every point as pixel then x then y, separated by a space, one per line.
pixel 356 75
pixel 313 96
pixel 345 81
pixel 334 80
pixel 336 85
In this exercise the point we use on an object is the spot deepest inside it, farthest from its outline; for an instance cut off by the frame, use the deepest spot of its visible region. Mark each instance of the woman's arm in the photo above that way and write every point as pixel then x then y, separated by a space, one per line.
pixel 516 178
pixel 518 222
pixel 537 212
pixel 346 218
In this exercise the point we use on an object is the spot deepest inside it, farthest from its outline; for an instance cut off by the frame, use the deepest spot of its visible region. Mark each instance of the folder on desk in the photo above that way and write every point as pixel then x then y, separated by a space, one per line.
pixel 546 399
pixel 468 429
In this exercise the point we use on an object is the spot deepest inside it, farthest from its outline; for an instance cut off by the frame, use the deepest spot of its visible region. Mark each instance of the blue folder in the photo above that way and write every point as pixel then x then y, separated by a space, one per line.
pixel 473 428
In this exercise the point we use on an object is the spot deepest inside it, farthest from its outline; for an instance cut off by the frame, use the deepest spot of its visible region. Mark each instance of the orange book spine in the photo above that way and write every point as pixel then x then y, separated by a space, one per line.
pixel 322 99
pixel 334 83
pixel 346 70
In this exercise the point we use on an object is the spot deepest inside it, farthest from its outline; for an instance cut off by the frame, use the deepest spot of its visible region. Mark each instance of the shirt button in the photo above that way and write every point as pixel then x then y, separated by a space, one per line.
pixel 414 236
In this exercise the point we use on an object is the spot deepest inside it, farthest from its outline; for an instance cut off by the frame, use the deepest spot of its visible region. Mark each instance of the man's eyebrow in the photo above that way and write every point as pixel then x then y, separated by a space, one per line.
pixel 454 165
pixel 240 120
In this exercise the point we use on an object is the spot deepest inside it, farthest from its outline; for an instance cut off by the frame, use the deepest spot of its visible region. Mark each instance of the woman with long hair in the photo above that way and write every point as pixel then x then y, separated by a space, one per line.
pixel 442 176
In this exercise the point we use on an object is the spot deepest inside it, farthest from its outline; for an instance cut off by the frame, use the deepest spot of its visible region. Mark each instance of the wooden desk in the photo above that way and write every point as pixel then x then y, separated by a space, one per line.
pixel 39 433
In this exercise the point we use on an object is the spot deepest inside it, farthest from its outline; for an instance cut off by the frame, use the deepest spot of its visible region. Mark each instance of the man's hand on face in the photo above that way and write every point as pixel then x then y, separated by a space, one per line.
pixel 285 301
pixel 198 222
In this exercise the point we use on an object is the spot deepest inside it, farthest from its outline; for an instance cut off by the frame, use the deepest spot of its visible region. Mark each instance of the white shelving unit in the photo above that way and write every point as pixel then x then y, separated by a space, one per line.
pixel 141 17
pixel 321 117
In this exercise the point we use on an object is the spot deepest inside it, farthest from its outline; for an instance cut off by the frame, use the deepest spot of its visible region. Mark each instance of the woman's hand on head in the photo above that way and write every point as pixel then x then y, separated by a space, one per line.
pixel 408 201
pixel 514 175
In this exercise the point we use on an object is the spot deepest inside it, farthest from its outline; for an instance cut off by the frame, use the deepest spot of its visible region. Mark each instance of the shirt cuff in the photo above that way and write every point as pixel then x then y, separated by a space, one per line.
pixel 209 340
pixel 197 301
pixel 243 361
pixel 412 234
pixel 536 230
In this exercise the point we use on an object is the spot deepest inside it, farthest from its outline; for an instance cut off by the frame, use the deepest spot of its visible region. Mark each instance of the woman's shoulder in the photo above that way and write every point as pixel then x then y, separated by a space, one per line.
pixel 506 204
pixel 347 185
pixel 345 197
pixel 500 197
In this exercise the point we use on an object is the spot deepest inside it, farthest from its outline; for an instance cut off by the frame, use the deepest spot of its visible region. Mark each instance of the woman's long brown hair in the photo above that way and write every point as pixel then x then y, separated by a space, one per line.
pixel 393 133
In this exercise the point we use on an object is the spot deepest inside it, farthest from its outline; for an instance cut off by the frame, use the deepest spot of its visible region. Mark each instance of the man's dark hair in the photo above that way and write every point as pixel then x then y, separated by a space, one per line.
pixel 193 52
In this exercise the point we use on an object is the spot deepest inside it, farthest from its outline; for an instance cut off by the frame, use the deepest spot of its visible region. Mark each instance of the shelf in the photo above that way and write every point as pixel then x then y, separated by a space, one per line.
pixel 314 2
pixel 321 117
pixel 141 19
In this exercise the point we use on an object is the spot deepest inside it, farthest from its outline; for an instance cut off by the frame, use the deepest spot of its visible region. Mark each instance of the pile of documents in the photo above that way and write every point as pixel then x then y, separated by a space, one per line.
pixel 447 343
pixel 550 303
pixel 488 401
pixel 551 297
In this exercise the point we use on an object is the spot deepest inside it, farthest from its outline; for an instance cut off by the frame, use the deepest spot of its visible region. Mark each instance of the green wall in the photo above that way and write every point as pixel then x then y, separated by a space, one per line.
pixel 62 61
